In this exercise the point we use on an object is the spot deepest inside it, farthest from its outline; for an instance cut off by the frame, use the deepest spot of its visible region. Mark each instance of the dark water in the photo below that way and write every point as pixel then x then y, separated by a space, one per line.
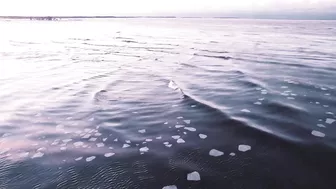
pixel 142 103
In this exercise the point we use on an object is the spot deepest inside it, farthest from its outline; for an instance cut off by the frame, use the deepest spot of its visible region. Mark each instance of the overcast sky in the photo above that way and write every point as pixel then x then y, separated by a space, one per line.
pixel 158 7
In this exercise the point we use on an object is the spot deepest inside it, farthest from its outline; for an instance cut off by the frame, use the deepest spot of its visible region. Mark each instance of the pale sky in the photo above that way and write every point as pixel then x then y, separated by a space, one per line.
pixel 154 7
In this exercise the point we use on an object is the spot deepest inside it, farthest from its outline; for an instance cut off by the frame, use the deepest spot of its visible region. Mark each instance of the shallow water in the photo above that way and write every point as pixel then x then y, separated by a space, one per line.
pixel 153 103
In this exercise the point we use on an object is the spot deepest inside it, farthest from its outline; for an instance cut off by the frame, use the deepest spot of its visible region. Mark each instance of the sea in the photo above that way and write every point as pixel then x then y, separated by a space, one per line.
pixel 167 103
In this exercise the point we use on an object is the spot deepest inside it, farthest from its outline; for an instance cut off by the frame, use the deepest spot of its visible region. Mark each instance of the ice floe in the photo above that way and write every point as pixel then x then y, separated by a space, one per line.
pixel 194 176
pixel 245 110
pixel 330 121
pixel 125 146
pixel 170 187
pixel 142 130
pixel 190 129
pixel 187 121
pixel 176 137
pixel 180 140
pixel 244 148
pixel 216 153
pixel 318 133
pixel 109 154
pixel 144 149
pixel 202 136
pixel 88 159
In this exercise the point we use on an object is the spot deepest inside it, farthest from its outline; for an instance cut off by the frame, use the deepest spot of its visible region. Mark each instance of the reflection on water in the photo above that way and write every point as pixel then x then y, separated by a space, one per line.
pixel 167 103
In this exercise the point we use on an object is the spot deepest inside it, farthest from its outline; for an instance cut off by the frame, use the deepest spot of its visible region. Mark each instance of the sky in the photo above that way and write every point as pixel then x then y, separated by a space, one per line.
pixel 163 7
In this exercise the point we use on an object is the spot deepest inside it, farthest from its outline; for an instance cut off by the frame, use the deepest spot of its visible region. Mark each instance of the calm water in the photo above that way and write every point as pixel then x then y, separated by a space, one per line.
pixel 153 103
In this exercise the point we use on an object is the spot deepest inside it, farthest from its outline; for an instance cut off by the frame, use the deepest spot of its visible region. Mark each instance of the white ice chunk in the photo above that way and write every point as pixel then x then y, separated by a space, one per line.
pixel 202 136
pixel 142 130
pixel 179 126
pixel 149 140
pixel 169 145
pixel 104 139
pixel 180 140
pixel 38 155
pixel 128 141
pixel 215 153
pixel 176 137
pixel 321 125
pixel 159 138
pixel 244 148
pixel 92 139
pixel 190 129
pixel 318 133
pixel 180 117
pixel 109 154
pixel 173 85
pixel 232 154
pixel 125 146
pixel 144 149
pixel 67 140
pixel 86 136
pixel 88 159
pixel 194 176
pixel 77 144
pixel 257 103
pixel 245 110
pixel 99 145
pixel 187 121
pixel 170 187
pixel 116 140
pixel 330 121
pixel 79 158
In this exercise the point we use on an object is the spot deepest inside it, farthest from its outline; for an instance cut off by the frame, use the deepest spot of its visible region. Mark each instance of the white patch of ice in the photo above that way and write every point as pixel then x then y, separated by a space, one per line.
pixel 244 148
pixel 215 153
pixel 142 130
pixel 99 145
pixel 63 148
pixel 92 139
pixel 330 113
pixel 194 176
pixel 179 126
pixel 144 149
pixel 330 121
pixel 104 139
pixel 91 119
pixel 86 136
pixel 166 123
pixel 159 138
pixel 187 121
pixel 77 144
pixel 173 85
pixel 290 98
pixel 202 136
pixel 109 154
pixel 79 158
pixel 67 140
pixel 232 154
pixel 321 125
pixel 88 159
pixel 116 140
pixel 128 141
pixel 261 99
pixel 180 117
pixel 193 106
pixel 257 103
pixel 318 133
pixel 176 137
pixel 125 146
pixel 185 133
pixel 149 140
pixel 284 87
pixel 97 134
pixel 190 129
pixel 180 140
pixel 245 110
pixel 170 187
pixel 37 155
pixel 168 145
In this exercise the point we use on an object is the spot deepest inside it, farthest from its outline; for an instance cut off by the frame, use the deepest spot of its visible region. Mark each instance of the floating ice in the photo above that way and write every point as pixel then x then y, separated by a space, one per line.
pixel 142 130
pixel 176 137
pixel 330 113
pixel 23 154
pixel 244 148
pixel 245 110
pixel 190 129
pixel 149 140
pixel 99 145
pixel 232 154
pixel 180 117
pixel 79 158
pixel 92 139
pixel 215 153
pixel 179 126
pixel 290 98
pixel 180 140
pixel 166 123
pixel 91 119
pixel 187 121
pixel 67 140
pixel 86 136
pixel 170 187
pixel 257 103
pixel 88 159
pixel 330 121
pixel 261 99
pixel 77 144
pixel 125 146
pixel 284 87
pixel 159 138
pixel 97 134
pixel 169 145
pixel 37 155
pixel 193 106
pixel 128 141
pixel 116 140
pixel 194 176
pixel 63 148
pixel 166 143
pixel 110 147
pixel 173 85
pixel 318 133
pixel 321 125
pixel 202 136
pixel 144 149
pixel 185 133
pixel 104 139
pixel 109 154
